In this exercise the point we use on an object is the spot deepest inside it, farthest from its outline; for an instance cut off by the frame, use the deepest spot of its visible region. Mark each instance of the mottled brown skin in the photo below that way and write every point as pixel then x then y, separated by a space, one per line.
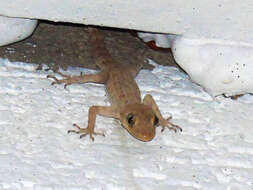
pixel 139 118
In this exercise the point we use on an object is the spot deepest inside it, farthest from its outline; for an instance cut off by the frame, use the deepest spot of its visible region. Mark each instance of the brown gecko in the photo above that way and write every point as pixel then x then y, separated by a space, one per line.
pixel 138 118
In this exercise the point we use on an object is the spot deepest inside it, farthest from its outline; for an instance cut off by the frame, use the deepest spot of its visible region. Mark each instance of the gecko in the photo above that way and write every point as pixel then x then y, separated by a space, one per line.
pixel 139 117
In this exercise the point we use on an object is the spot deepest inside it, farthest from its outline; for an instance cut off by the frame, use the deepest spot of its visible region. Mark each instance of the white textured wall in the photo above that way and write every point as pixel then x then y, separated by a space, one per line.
pixel 214 151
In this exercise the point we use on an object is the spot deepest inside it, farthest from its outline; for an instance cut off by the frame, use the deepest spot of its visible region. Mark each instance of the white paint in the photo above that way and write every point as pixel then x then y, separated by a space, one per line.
pixel 210 28
pixel 161 40
pixel 15 29
pixel 219 19
pixel 221 67
pixel 213 152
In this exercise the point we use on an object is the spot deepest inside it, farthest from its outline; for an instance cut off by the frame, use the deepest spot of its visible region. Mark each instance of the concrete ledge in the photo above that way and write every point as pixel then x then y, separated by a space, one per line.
pixel 212 19
pixel 15 29
pixel 221 67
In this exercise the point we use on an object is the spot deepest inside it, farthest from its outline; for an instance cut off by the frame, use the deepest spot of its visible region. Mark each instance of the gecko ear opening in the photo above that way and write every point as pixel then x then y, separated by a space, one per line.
pixel 156 121
pixel 130 119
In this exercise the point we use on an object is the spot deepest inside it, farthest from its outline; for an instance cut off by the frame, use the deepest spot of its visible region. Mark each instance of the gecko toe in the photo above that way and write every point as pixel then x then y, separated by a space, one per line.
pixel 173 127
pixel 169 118
pixel 77 126
pixel 177 128
pixel 73 131
pixel 83 135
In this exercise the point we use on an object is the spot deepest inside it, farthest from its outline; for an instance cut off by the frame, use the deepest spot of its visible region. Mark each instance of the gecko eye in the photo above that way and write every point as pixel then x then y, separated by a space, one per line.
pixel 130 119
pixel 156 121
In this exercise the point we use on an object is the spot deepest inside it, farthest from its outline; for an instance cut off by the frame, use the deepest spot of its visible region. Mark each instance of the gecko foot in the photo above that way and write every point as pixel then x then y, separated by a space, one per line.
pixel 67 79
pixel 167 124
pixel 85 131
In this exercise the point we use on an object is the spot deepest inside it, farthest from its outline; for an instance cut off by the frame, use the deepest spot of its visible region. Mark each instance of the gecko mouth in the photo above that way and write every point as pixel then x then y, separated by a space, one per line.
pixel 145 137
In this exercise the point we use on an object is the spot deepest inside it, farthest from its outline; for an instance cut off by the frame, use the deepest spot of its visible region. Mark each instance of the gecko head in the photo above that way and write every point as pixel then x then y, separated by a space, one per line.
pixel 139 120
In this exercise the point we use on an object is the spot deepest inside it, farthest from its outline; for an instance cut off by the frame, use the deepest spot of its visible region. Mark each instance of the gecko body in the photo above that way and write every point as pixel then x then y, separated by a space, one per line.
pixel 138 117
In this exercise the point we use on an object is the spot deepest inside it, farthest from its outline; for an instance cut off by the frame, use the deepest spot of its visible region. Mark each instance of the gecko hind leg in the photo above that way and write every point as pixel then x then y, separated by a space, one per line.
pixel 100 77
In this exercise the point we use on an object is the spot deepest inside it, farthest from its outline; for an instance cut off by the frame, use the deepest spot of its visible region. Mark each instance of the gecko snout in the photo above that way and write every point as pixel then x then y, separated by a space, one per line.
pixel 147 137
pixel 145 134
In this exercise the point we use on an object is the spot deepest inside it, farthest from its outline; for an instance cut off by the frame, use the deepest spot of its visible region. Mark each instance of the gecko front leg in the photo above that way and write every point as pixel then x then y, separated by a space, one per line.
pixel 165 123
pixel 107 111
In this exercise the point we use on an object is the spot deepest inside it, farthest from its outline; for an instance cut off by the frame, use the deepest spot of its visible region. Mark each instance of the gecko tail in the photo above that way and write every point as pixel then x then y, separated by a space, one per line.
pixel 99 51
